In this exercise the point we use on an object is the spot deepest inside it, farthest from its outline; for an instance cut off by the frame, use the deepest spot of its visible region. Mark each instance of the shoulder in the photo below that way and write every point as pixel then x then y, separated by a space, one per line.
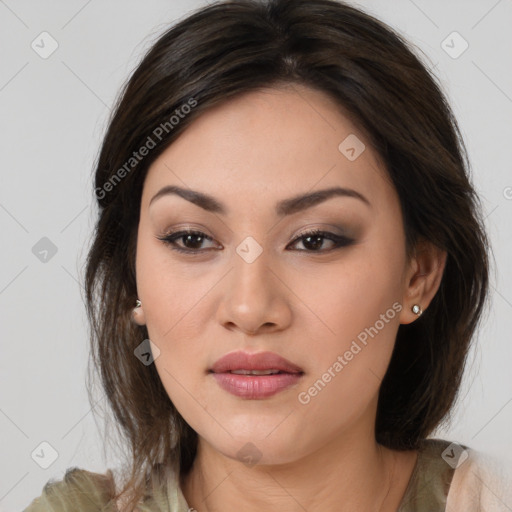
pixel 481 482
pixel 78 491
pixel 451 476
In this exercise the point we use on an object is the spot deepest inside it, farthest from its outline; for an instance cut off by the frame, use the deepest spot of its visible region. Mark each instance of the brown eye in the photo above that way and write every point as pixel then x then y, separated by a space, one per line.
pixel 313 240
pixel 191 240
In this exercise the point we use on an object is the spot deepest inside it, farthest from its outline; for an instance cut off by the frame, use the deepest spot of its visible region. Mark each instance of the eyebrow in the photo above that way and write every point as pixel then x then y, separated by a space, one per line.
pixel 284 207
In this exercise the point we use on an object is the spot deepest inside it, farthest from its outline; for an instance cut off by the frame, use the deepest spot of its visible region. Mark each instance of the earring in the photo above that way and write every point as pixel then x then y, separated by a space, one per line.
pixel 416 309
pixel 138 303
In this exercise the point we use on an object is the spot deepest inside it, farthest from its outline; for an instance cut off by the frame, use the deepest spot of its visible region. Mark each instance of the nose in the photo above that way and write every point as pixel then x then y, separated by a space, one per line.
pixel 255 298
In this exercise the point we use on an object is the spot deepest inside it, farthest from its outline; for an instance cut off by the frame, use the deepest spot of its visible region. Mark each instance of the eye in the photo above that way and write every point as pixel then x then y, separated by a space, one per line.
pixel 313 240
pixel 316 237
pixel 192 240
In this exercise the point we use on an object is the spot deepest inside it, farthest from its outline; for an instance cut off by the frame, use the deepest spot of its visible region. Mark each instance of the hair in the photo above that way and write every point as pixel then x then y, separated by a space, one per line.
pixel 234 47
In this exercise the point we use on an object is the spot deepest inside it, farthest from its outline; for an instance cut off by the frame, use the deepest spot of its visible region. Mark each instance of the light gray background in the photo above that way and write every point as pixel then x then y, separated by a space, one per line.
pixel 53 114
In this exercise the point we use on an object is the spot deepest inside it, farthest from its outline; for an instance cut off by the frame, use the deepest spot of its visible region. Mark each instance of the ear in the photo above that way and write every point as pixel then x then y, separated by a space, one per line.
pixel 422 278
pixel 138 316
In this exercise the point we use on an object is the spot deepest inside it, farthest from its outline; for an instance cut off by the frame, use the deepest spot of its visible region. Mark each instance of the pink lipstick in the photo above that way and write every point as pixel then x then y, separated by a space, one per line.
pixel 255 376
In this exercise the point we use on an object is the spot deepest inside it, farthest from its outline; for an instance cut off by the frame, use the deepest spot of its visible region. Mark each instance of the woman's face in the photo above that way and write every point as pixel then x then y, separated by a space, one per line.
pixel 250 283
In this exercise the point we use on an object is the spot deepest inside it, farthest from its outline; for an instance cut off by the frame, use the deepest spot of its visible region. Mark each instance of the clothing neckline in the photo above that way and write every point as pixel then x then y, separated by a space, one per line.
pixel 431 477
pixel 413 479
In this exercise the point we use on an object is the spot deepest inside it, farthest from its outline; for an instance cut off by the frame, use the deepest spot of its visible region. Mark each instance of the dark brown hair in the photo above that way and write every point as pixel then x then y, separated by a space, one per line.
pixel 230 48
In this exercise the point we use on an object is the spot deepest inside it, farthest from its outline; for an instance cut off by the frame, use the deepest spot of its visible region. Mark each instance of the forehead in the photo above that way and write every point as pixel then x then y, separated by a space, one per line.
pixel 271 143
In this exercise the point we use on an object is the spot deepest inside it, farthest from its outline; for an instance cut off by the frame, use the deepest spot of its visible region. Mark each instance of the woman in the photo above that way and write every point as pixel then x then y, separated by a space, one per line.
pixel 288 269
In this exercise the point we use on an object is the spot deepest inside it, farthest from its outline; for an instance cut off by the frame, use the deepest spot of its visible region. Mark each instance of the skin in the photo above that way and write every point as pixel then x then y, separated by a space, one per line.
pixel 305 302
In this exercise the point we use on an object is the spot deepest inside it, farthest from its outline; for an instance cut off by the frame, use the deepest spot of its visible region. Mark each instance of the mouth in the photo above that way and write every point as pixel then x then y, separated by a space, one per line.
pixel 255 376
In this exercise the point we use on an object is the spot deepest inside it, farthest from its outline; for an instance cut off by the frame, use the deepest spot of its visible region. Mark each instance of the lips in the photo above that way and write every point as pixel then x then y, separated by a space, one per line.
pixel 255 376
pixel 260 362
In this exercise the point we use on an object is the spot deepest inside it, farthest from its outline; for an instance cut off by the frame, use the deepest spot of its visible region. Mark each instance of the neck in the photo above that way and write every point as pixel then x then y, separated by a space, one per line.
pixel 346 474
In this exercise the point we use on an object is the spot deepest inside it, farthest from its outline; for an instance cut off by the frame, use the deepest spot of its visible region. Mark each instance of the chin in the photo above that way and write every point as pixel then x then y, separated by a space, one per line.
pixel 261 443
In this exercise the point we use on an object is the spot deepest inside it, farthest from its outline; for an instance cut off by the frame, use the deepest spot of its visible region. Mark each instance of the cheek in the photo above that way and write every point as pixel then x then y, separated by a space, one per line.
pixel 361 308
pixel 165 286
pixel 174 305
pixel 350 296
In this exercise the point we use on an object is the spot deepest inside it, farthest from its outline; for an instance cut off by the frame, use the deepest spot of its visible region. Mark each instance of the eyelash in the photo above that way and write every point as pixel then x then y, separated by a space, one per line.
pixel 339 241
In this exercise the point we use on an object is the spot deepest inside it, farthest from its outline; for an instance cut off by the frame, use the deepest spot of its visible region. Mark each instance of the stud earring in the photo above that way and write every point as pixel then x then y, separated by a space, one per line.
pixel 416 309
pixel 137 313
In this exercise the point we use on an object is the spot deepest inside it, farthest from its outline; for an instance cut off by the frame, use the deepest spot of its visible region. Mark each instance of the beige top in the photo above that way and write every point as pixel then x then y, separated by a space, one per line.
pixel 447 477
